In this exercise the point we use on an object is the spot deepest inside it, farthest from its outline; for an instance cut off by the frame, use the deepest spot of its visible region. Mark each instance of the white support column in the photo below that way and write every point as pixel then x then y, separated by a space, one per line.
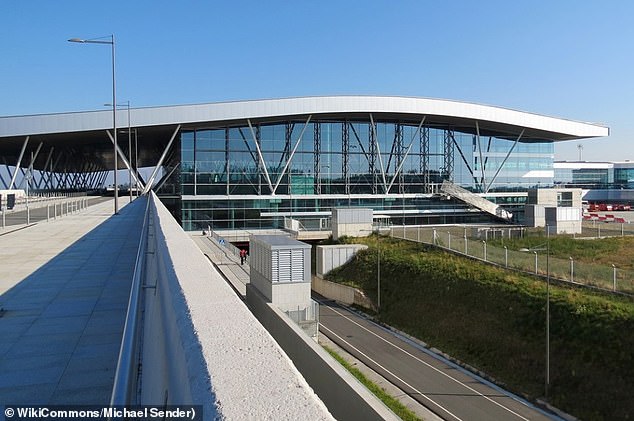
pixel 400 165
pixel 166 177
pixel 17 165
pixel 504 161
pixel 483 180
pixel 46 164
pixel 51 175
pixel 148 186
pixel 378 151
pixel 257 147
pixel 4 183
pixel 125 160
pixel 33 158
pixel 290 158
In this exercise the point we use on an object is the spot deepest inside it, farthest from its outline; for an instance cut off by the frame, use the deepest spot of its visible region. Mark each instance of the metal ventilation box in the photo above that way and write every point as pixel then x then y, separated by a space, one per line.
pixel 280 270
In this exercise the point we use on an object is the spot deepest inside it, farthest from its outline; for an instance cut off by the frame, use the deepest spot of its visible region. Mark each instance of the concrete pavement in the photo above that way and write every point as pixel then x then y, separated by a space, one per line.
pixel 64 287
pixel 227 263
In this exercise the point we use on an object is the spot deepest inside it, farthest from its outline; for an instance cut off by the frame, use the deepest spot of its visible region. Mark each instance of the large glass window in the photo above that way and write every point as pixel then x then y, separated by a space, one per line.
pixel 335 160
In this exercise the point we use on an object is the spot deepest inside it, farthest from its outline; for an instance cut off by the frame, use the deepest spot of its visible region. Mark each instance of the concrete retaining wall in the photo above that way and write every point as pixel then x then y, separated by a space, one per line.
pixel 341 293
pixel 345 397
pixel 330 257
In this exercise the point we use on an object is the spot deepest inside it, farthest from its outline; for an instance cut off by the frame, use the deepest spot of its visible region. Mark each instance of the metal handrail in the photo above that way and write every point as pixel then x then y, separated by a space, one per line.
pixel 126 364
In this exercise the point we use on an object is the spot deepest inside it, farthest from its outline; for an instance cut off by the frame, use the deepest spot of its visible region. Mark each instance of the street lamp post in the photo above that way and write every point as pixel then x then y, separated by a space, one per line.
pixel 534 250
pixel 136 162
pixel 378 269
pixel 114 106
pixel 547 384
pixel 127 104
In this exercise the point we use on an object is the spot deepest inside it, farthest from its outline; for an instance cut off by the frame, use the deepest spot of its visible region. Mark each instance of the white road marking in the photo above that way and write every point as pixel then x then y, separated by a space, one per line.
pixel 430 366
pixel 392 374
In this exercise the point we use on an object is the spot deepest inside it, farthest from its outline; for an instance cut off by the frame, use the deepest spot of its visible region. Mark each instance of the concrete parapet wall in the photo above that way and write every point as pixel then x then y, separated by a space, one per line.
pixel 341 293
pixel 173 367
pixel 345 397
pixel 202 345
pixel 330 257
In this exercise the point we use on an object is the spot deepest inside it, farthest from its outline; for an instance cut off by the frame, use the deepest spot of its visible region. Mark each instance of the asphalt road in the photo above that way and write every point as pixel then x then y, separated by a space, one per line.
pixel 444 388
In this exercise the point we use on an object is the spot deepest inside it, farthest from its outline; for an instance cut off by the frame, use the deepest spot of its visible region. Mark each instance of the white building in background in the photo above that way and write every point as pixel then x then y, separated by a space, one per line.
pixel 601 182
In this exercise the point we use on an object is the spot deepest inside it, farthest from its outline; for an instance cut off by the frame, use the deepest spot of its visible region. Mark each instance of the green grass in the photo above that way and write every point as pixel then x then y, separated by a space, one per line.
pixel 395 405
pixel 606 251
pixel 495 320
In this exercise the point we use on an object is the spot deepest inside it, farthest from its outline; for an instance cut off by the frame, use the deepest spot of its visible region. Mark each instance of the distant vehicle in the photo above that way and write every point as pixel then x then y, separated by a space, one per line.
pixel 606 207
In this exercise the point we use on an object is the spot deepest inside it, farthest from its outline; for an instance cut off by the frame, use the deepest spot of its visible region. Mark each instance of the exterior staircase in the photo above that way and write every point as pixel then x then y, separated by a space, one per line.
pixel 474 200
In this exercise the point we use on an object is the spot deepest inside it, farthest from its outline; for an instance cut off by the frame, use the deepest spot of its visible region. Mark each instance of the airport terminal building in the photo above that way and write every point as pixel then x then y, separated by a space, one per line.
pixel 255 164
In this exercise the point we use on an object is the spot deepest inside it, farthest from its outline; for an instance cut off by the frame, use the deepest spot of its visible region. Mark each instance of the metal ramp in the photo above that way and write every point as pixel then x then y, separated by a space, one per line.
pixel 474 200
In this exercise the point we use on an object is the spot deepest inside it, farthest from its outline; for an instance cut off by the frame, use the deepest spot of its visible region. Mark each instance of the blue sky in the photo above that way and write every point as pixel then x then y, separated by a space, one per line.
pixel 571 59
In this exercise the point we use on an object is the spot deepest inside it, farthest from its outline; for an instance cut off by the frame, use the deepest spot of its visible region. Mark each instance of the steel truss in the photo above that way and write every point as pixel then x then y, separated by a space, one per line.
pixel 317 156
pixel 345 150
pixel 448 155
pixel 384 169
pixel 424 158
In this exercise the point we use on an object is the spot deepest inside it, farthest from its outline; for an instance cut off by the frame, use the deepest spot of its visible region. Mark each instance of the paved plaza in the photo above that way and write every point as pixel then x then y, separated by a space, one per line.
pixel 64 288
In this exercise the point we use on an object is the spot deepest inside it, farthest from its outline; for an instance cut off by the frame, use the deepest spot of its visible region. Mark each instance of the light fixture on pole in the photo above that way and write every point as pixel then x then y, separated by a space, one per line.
pixel 547 376
pixel 111 42
pixel 127 104
pixel 378 269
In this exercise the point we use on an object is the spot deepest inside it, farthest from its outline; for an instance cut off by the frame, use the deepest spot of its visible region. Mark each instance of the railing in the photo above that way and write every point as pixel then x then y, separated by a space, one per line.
pixel 537 262
pixel 65 205
pixel 306 318
pixel 126 374
pixel 226 244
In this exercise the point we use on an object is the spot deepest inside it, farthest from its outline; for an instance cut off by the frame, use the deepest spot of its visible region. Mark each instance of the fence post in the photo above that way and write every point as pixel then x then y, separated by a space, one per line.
pixel 535 262
pixel 599 228
pixel 572 270
pixel 614 278
pixel 449 239
pixel 404 229
pixel 418 234
pixel 621 229
pixel 506 257
pixel 48 212
pixel 433 240
pixel 485 249
pixel 465 245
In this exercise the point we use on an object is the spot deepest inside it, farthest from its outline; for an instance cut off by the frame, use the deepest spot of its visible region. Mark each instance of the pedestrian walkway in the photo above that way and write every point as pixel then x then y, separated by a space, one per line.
pixel 45 211
pixel 64 288
pixel 228 263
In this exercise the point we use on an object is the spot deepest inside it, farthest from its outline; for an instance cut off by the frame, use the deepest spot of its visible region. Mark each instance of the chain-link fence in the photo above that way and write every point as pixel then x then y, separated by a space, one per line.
pixel 470 241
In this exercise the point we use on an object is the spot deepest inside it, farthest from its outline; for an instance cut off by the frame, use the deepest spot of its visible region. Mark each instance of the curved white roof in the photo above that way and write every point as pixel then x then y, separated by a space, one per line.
pixel 438 112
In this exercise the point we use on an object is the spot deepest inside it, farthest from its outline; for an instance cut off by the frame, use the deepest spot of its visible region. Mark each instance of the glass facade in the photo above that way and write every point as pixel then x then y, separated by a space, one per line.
pixel 583 176
pixel 252 177
pixel 624 177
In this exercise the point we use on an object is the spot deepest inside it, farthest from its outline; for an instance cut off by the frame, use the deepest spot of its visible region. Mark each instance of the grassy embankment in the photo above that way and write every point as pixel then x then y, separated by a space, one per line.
pixel 395 405
pixel 606 251
pixel 495 321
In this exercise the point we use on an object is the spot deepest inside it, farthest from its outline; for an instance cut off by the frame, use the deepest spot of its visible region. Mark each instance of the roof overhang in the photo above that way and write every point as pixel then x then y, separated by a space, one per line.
pixel 87 130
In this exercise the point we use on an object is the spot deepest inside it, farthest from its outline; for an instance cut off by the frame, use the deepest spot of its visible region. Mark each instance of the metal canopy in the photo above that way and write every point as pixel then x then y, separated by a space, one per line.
pixel 82 136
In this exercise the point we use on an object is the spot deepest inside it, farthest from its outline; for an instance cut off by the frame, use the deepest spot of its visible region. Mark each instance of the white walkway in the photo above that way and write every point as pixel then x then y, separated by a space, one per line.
pixel 64 287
